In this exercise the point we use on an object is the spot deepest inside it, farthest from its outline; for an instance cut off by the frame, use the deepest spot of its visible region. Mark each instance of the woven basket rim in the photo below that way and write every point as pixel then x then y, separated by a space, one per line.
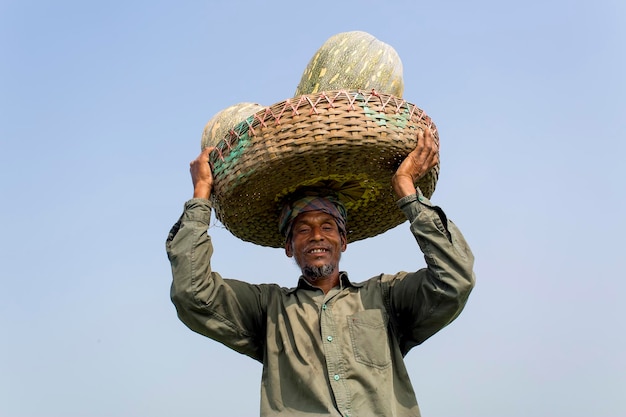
pixel 347 140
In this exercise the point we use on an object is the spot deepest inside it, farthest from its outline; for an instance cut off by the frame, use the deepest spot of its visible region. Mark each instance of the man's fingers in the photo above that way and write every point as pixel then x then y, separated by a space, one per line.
pixel 205 152
pixel 418 163
pixel 425 155
pixel 204 155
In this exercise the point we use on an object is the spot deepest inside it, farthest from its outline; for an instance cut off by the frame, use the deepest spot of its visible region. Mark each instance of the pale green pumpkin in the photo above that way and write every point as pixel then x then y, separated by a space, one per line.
pixel 222 122
pixel 353 61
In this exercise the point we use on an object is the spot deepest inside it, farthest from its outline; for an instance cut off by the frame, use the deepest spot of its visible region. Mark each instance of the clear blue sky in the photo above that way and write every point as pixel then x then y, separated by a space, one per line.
pixel 102 106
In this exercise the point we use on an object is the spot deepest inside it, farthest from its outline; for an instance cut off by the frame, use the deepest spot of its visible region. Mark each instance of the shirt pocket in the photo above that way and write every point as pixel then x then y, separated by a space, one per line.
pixel 368 332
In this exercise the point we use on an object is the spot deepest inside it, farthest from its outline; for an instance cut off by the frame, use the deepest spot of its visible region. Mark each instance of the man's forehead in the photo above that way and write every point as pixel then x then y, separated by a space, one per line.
pixel 314 216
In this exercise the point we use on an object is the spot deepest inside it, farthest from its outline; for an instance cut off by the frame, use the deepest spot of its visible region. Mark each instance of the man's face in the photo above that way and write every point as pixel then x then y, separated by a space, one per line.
pixel 316 244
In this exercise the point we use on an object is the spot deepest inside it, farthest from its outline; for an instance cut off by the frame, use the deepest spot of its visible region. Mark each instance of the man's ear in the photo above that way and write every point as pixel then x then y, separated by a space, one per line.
pixel 344 242
pixel 288 248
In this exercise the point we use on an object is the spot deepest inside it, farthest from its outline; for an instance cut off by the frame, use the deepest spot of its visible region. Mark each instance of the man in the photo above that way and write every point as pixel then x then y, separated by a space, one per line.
pixel 328 346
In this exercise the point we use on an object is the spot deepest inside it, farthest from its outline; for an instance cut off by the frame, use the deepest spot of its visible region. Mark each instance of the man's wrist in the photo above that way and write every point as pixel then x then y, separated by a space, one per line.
pixel 402 185
pixel 202 190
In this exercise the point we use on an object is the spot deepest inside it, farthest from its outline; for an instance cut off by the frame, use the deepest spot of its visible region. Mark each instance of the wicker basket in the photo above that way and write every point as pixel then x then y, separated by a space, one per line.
pixel 348 141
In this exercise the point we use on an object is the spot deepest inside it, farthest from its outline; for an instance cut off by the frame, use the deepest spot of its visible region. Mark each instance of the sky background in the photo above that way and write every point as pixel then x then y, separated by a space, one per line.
pixel 102 106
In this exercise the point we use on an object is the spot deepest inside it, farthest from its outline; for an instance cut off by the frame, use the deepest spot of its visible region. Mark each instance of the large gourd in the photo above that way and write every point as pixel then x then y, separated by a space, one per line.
pixel 222 122
pixel 353 61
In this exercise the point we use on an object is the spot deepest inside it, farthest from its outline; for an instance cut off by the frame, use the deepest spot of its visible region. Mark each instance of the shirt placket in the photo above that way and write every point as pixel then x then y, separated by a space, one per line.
pixel 335 363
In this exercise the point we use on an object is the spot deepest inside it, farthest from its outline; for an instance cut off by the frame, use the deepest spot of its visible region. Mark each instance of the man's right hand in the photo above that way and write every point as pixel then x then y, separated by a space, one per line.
pixel 201 174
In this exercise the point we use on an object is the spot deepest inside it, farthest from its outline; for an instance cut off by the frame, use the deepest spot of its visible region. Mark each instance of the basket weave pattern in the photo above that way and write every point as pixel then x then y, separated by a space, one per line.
pixel 350 141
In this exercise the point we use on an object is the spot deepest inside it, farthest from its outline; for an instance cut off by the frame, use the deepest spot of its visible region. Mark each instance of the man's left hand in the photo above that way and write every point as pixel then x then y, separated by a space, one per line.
pixel 421 160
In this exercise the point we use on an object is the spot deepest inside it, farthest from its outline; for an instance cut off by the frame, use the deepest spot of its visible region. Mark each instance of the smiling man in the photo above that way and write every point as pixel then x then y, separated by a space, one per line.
pixel 329 346
pixel 315 231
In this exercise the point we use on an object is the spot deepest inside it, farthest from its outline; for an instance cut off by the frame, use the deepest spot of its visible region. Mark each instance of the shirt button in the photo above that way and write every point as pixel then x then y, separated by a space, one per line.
pixel 323 306
pixel 329 338
pixel 336 377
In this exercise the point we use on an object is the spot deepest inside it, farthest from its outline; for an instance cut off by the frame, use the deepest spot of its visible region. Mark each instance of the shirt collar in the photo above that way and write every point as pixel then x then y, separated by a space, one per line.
pixel 344 281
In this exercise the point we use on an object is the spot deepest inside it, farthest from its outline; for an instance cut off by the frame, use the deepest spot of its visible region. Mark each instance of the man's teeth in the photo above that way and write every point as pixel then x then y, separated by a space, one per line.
pixel 318 250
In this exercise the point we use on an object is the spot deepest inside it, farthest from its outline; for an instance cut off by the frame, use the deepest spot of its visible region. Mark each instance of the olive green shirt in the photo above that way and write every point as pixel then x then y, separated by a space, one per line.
pixel 335 354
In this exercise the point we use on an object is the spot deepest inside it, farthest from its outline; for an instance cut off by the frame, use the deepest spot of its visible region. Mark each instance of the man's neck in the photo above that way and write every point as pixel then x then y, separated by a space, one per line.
pixel 324 283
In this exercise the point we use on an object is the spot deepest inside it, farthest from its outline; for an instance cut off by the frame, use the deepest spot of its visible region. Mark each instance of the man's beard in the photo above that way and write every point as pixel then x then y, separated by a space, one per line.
pixel 314 273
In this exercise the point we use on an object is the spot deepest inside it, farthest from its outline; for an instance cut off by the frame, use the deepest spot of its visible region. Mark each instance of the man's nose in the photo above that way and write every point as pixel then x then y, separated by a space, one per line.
pixel 316 233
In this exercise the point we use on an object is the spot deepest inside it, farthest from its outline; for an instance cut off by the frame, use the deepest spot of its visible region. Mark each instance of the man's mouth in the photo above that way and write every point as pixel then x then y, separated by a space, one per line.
pixel 317 250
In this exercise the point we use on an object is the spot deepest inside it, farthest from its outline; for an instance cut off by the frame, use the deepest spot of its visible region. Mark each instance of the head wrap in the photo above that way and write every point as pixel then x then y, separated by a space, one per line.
pixel 327 204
